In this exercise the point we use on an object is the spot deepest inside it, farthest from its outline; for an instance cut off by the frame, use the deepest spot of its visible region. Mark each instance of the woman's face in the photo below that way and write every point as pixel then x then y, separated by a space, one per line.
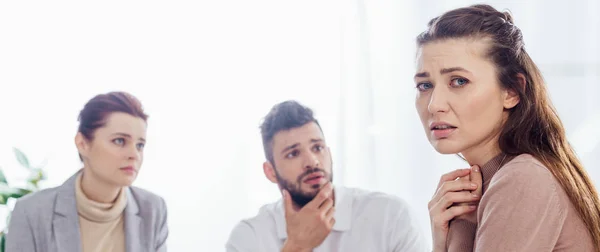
pixel 116 152
pixel 459 100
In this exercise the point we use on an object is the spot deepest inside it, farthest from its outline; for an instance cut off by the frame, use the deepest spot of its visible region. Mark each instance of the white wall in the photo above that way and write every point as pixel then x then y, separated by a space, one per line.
pixel 207 71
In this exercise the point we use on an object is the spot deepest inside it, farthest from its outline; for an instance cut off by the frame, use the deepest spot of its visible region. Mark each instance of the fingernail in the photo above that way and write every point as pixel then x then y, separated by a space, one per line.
pixel 472 206
pixel 473 185
pixel 475 195
pixel 476 168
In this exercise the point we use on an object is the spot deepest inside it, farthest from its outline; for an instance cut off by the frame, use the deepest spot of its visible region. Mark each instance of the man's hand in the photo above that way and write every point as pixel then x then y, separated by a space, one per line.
pixel 308 227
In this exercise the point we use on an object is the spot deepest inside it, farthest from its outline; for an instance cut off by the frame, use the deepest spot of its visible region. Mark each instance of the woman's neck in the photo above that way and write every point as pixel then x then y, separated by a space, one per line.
pixel 97 190
pixel 482 153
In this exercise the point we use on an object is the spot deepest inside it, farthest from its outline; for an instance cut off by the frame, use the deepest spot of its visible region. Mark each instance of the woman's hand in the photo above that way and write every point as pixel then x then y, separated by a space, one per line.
pixel 457 195
pixel 473 177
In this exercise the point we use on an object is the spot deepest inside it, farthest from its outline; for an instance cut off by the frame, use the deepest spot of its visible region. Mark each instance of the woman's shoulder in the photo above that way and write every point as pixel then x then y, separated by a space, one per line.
pixel 145 198
pixel 525 181
pixel 42 197
pixel 525 166
pixel 525 175
pixel 40 203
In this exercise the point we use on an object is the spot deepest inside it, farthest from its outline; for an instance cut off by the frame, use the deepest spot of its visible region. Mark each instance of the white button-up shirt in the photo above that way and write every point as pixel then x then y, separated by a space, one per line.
pixel 364 222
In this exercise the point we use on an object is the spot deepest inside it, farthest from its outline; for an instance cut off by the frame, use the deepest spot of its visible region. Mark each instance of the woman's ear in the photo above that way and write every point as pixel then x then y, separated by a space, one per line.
pixel 511 98
pixel 82 144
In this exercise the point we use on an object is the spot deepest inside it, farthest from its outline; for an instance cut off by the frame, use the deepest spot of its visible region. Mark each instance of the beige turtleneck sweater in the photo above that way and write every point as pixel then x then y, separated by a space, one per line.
pixel 100 224
pixel 523 208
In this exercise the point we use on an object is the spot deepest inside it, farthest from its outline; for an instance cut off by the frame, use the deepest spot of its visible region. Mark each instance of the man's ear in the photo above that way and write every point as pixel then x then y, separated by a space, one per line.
pixel 511 98
pixel 269 171
pixel 82 144
pixel 330 156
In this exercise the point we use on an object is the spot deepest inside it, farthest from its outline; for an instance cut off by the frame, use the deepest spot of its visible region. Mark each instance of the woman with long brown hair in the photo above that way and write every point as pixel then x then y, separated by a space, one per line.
pixel 480 95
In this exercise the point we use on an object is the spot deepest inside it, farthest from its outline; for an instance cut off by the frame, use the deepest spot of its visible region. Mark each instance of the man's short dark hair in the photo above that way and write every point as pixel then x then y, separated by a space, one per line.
pixel 283 116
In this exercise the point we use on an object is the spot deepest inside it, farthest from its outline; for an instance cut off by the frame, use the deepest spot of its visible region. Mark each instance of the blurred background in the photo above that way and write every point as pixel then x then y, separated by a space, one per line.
pixel 208 71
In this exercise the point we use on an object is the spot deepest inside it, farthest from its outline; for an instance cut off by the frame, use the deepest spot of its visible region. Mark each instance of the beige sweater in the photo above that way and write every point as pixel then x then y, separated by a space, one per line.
pixel 523 208
pixel 100 224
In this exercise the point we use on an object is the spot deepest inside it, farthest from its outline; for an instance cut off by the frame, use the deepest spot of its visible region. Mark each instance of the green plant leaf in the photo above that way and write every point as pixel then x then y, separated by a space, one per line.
pixel 23 160
pixel 2 177
pixel 3 200
pixel 9 192
pixel 19 193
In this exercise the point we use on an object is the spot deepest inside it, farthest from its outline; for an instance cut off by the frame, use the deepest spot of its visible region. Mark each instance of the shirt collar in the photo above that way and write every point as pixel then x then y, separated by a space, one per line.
pixel 343 213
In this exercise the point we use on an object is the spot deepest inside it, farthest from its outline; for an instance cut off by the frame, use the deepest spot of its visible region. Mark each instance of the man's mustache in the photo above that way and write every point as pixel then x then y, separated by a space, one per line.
pixel 309 172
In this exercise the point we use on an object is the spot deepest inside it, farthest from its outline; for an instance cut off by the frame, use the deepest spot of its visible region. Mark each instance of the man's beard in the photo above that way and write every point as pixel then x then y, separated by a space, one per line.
pixel 294 189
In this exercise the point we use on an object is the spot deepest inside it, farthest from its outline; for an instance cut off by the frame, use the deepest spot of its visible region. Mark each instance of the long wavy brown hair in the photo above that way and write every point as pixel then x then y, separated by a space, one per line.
pixel 533 126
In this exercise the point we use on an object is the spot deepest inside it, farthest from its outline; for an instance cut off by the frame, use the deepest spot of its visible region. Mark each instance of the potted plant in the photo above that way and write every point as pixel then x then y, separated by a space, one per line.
pixel 36 174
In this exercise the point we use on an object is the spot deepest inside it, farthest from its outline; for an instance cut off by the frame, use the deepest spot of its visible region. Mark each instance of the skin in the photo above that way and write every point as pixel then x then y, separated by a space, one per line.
pixel 120 143
pixel 296 153
pixel 462 85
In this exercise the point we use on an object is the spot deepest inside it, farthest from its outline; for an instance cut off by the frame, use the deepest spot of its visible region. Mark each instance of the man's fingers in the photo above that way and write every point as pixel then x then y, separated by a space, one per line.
pixel 329 214
pixel 331 223
pixel 453 175
pixel 323 194
pixel 327 204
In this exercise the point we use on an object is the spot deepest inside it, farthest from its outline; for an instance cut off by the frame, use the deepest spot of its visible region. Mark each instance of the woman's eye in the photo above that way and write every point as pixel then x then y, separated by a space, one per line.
pixel 423 86
pixel 119 141
pixel 459 82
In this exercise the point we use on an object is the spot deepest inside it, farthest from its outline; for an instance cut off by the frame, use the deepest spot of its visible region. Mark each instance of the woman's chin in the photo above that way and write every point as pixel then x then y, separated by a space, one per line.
pixel 124 181
pixel 445 147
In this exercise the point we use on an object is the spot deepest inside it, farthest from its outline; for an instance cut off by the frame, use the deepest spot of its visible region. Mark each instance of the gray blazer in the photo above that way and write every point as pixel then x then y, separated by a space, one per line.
pixel 47 221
